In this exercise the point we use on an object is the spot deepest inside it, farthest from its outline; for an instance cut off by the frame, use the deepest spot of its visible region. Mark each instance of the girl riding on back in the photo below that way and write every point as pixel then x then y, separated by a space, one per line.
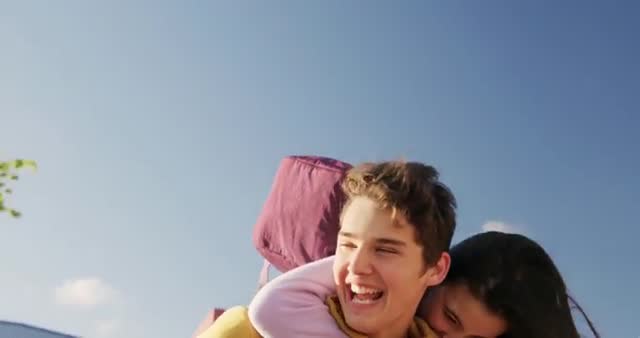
pixel 498 285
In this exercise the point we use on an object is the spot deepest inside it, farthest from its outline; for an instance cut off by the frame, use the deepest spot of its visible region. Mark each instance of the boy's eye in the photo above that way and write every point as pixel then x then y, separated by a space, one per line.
pixel 347 245
pixel 387 250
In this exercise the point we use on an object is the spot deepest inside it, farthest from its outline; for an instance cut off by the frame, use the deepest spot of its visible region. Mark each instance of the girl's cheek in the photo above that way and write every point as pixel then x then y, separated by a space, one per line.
pixel 438 323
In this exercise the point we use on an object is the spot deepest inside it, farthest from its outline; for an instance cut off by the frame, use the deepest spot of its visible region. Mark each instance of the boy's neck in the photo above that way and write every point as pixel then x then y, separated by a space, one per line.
pixel 399 329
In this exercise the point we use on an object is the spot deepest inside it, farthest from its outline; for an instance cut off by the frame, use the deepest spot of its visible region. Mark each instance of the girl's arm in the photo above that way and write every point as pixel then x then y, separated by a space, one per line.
pixel 293 304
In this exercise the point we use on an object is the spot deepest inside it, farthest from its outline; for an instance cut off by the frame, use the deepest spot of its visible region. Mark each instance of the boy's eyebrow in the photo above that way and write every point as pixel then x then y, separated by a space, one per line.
pixel 390 241
pixel 387 241
pixel 346 234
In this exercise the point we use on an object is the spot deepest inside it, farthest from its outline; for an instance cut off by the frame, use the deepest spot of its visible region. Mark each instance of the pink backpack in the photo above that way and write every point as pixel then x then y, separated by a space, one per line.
pixel 300 218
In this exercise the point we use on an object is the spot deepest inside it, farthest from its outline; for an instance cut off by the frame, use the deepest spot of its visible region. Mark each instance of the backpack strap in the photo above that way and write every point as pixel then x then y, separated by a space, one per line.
pixel 264 274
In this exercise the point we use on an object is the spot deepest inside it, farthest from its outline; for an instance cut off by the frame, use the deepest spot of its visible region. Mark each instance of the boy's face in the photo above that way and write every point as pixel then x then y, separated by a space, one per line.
pixel 379 270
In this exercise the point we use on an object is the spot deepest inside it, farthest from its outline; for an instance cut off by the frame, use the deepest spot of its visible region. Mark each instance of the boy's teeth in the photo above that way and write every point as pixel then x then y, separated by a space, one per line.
pixel 363 290
pixel 363 301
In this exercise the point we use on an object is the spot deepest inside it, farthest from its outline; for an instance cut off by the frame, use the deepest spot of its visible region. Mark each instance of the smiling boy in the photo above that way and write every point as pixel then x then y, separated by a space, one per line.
pixel 395 231
pixel 396 228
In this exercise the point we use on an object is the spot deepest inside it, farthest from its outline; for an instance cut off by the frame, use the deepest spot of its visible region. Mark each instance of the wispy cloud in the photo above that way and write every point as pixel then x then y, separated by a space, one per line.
pixel 85 292
pixel 107 328
pixel 502 227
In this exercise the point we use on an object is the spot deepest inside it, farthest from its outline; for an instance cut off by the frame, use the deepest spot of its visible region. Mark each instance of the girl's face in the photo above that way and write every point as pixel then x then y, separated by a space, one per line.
pixel 453 312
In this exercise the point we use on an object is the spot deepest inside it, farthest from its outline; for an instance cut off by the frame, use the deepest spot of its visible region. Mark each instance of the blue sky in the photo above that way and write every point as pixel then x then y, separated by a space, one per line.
pixel 158 127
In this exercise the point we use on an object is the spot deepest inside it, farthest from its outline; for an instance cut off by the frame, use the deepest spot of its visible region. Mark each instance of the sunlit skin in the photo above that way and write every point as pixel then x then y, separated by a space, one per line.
pixel 379 253
pixel 453 312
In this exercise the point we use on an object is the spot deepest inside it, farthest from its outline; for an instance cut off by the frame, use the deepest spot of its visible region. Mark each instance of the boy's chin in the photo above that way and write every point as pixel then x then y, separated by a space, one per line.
pixel 364 325
pixel 364 317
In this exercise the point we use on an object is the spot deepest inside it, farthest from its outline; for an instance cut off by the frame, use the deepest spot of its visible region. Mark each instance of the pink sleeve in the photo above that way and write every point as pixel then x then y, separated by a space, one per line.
pixel 292 304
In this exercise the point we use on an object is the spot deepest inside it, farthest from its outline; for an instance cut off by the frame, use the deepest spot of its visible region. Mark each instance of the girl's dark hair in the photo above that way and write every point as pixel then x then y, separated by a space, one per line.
pixel 517 280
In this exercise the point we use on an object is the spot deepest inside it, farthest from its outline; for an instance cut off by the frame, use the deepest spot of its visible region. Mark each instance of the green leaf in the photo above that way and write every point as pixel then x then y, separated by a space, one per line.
pixel 9 171
pixel 30 164
pixel 18 164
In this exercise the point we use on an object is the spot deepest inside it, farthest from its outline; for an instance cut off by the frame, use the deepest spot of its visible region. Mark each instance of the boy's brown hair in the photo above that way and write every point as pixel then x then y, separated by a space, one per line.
pixel 412 189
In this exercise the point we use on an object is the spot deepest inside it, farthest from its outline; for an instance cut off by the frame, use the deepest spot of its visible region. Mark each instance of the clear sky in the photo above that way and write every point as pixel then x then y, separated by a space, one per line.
pixel 158 127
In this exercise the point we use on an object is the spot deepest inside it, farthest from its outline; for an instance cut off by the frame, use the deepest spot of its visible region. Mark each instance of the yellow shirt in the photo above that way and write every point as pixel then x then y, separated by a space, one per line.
pixel 419 328
pixel 235 323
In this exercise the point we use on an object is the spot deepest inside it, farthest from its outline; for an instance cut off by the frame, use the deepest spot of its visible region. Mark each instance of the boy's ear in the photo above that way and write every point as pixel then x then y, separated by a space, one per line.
pixel 437 272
